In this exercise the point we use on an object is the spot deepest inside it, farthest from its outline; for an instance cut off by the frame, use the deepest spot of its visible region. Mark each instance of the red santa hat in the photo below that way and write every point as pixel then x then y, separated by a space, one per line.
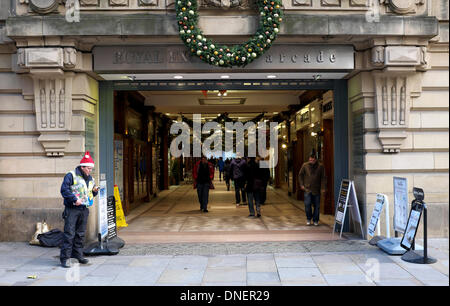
pixel 87 160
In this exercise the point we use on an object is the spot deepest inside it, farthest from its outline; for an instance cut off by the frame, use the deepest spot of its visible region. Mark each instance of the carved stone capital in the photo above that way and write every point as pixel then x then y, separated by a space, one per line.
pixel 377 57
pixel 43 58
pixel 399 56
pixel 394 89
pixel 53 108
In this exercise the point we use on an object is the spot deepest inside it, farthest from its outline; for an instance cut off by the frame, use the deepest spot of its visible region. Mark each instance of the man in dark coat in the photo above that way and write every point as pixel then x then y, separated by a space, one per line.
pixel 251 188
pixel 226 173
pixel 237 169
pixel 203 175
pixel 78 190
pixel 312 181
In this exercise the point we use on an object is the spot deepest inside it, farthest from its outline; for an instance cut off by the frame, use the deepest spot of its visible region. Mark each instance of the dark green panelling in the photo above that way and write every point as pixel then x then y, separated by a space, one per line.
pixel 106 133
pixel 341 149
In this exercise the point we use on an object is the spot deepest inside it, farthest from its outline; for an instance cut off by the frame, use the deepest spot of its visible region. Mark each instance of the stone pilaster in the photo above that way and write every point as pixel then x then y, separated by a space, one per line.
pixel 396 84
pixel 52 80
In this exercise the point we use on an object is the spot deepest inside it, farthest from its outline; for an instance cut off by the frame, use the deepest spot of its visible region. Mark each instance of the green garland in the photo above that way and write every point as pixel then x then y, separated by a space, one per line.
pixel 222 55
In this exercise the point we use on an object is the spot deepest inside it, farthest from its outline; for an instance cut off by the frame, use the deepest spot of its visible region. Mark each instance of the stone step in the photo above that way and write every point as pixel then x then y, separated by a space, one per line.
pixel 137 237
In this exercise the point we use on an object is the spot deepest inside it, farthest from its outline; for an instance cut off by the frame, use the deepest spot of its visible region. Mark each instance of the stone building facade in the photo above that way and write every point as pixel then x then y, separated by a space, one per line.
pixel 398 95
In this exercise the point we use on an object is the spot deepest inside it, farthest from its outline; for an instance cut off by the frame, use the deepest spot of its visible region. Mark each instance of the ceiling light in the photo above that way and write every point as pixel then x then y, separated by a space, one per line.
pixel 271 76
pixel 284 146
pixel 224 76
pixel 178 77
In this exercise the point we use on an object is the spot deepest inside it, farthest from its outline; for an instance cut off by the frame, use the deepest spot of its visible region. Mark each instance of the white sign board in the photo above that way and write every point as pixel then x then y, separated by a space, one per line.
pixel 376 214
pixel 102 210
pixel 411 231
pixel 400 204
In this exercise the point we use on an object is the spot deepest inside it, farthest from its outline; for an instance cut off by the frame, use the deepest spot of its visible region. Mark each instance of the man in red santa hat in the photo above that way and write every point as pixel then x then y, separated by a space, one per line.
pixel 78 190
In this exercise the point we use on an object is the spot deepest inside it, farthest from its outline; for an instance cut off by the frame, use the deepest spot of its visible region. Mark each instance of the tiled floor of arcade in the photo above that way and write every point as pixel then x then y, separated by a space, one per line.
pixel 175 216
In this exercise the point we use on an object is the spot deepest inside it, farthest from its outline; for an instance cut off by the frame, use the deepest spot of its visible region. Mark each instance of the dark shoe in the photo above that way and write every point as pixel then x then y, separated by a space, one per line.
pixel 64 263
pixel 258 215
pixel 82 260
pixel 205 210
pixel 251 216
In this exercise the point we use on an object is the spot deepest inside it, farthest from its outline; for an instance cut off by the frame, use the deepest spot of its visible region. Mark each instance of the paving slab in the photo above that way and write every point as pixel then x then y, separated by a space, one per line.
pixel 261 265
pixel 181 277
pixel 348 280
pixel 263 279
pixel 294 261
pixel 138 276
pixel 107 270
pixel 228 274
pixel 227 261
pixel 96 281
pixel 301 275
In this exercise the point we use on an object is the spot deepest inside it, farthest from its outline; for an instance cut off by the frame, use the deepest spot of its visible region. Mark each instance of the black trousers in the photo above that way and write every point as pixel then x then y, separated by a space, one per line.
pixel 239 184
pixel 75 222
pixel 203 194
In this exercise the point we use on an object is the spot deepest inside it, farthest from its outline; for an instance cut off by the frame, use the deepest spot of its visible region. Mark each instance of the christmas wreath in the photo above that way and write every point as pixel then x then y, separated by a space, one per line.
pixel 271 16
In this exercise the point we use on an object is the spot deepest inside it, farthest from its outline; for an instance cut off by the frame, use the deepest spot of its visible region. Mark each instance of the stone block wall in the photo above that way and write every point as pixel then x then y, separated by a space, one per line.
pixel 30 180
pixel 423 156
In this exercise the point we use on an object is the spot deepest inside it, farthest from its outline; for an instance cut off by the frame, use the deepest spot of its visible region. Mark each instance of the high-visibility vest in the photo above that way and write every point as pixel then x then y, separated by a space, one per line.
pixel 81 191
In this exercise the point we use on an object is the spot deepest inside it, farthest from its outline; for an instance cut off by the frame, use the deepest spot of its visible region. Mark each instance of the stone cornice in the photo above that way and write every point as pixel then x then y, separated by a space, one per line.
pixel 165 25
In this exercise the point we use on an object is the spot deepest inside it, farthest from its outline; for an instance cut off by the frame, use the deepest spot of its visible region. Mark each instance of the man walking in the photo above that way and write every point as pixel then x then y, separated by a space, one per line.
pixel 237 170
pixel 220 165
pixel 226 173
pixel 78 192
pixel 312 181
pixel 203 175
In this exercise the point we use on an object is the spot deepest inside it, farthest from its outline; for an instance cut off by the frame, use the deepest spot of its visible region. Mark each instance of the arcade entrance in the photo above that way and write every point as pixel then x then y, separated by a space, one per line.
pixel 156 188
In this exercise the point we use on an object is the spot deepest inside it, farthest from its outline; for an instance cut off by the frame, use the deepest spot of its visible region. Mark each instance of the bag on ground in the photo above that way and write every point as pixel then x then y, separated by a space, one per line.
pixel 52 238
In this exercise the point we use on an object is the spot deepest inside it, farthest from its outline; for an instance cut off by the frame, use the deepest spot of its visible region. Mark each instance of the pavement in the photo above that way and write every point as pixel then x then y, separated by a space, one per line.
pixel 284 263
pixel 169 242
